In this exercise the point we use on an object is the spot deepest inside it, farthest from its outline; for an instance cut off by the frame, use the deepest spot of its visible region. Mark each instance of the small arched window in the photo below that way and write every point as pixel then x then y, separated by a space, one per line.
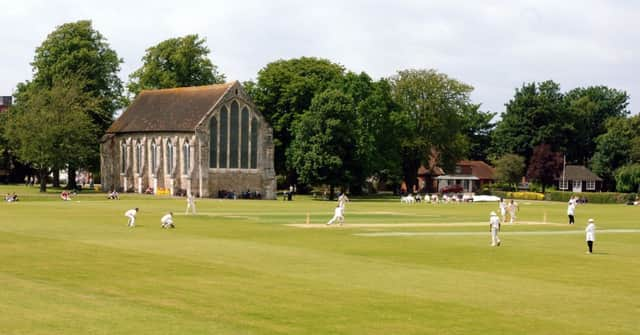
pixel 169 157
pixel 123 157
pixel 138 157
pixel 186 148
pixel 154 156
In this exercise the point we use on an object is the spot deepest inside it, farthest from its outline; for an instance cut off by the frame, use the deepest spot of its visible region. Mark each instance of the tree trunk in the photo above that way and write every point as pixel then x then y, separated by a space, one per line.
pixel 43 180
pixel 410 172
pixel 331 191
pixel 56 178
pixel 71 183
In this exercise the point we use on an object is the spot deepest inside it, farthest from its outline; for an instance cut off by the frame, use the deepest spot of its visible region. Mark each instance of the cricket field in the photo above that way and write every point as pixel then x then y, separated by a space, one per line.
pixel 274 267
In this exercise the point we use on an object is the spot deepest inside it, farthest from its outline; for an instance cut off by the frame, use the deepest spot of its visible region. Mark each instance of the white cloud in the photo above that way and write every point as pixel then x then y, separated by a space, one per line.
pixel 493 45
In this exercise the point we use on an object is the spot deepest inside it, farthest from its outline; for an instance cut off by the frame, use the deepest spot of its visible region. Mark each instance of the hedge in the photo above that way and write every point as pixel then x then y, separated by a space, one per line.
pixel 596 197
pixel 519 195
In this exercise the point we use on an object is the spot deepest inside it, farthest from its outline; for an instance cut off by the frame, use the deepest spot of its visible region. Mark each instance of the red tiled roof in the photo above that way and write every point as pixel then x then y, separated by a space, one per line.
pixel 479 169
pixel 174 109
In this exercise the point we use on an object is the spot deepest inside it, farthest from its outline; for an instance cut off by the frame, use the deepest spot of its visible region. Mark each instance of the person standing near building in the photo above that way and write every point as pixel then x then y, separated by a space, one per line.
pixel 571 209
pixel 494 228
pixel 167 221
pixel 338 215
pixel 590 231
pixel 191 204
pixel 131 214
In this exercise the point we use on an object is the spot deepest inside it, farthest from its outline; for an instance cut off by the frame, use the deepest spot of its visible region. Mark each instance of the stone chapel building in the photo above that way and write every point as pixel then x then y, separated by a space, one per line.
pixel 201 140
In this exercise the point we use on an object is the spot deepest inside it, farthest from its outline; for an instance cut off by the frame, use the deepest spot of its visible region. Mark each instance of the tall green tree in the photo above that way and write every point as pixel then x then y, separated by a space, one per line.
pixel 628 178
pixel 589 108
pixel 614 148
pixel 431 112
pixel 284 89
pixel 477 127
pixel 79 51
pixel 176 62
pixel 537 114
pixel 324 145
pixel 50 126
pixel 509 169
pixel 377 132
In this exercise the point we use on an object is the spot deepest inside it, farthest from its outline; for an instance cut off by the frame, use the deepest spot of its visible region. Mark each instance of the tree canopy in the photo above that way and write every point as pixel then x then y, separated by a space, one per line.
pixel 50 126
pixel 284 89
pixel 176 62
pixel 544 165
pixel 76 49
pixel 509 169
pixel 536 115
pixel 589 109
pixel 432 106
pixel 324 145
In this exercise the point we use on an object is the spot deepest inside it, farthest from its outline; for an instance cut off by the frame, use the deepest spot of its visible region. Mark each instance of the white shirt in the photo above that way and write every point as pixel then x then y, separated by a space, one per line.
pixel 495 222
pixel 167 219
pixel 591 232
pixel 131 212
pixel 571 209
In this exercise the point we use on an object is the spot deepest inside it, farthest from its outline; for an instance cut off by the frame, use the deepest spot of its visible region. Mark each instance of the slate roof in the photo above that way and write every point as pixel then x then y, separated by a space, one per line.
pixel 578 172
pixel 173 109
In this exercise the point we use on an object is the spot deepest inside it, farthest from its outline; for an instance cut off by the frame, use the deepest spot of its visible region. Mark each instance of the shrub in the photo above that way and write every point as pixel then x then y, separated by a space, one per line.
pixel 597 198
pixel 520 195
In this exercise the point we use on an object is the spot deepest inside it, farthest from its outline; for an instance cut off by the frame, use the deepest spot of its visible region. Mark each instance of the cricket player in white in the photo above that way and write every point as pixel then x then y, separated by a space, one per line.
pixel 167 221
pixel 571 209
pixel 338 215
pixel 131 214
pixel 342 200
pixel 513 208
pixel 503 209
pixel 591 235
pixel 494 227
pixel 191 204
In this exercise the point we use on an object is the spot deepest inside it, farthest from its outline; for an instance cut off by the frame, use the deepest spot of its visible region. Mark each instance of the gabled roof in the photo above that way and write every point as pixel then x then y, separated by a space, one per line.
pixel 578 172
pixel 173 109
pixel 479 169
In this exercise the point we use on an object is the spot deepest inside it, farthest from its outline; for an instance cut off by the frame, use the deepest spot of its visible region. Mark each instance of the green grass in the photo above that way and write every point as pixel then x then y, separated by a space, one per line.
pixel 237 268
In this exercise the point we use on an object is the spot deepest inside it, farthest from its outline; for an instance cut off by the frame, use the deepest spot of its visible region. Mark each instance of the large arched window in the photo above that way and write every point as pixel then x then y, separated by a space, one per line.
pixel 169 157
pixel 254 143
pixel 244 138
pixel 123 157
pixel 186 148
pixel 154 156
pixel 224 130
pixel 138 157
pixel 234 131
pixel 213 143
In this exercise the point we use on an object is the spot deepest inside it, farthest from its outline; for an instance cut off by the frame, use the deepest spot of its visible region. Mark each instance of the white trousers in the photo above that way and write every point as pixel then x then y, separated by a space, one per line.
pixel 192 207
pixel 494 237
pixel 132 221
pixel 335 218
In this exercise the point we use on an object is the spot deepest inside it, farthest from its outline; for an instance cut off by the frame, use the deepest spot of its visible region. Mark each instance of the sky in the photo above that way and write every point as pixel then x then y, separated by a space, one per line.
pixel 495 46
